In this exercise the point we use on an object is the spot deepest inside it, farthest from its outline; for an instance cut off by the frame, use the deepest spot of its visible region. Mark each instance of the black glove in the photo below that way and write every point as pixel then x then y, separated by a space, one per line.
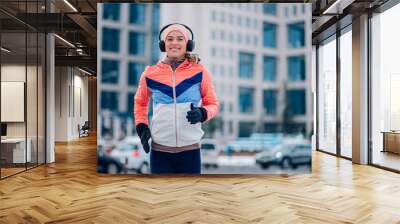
pixel 196 114
pixel 144 134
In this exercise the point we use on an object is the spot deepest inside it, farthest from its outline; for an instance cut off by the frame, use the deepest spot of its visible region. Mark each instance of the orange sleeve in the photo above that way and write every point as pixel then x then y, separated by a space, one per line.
pixel 209 98
pixel 141 106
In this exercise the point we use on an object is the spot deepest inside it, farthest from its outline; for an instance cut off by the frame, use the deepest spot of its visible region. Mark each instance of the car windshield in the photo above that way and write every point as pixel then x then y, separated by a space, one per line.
pixel 207 146
pixel 303 148
pixel 128 147
pixel 279 147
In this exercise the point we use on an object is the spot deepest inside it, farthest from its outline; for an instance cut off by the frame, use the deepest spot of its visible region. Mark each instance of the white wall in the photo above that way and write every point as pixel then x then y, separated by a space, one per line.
pixel 33 126
pixel 70 84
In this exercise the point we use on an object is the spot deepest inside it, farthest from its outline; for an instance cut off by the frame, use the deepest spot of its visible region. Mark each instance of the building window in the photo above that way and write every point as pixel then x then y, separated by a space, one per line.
pixel 230 19
pixel 213 52
pixel 246 65
pixel 222 35
pixel 109 71
pixel 131 103
pixel 269 8
pixel 213 16
pixel 109 100
pixel 296 101
pixel 246 129
pixel 155 27
pixel 247 22
pixel 246 96
pixel 296 128
pixel 303 7
pixel 294 10
pixel 269 68
pixel 222 17
pixel 136 43
pixel 286 11
pixel 297 68
pixel 385 87
pixel 110 40
pixel 345 92
pixel 270 101
pixel 213 35
pixel 239 21
pixel 239 38
pixel 222 70
pixel 137 13
pixel 134 71
pixel 255 41
pixel 296 35
pixel 327 95
pixel 111 11
pixel 271 127
pixel 269 35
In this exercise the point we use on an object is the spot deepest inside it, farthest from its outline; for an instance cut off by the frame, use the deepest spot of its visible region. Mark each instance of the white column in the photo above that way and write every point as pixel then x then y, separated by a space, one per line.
pixel 50 99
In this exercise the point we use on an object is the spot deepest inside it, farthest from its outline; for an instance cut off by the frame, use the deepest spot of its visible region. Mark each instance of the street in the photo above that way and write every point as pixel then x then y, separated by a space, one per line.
pixel 254 170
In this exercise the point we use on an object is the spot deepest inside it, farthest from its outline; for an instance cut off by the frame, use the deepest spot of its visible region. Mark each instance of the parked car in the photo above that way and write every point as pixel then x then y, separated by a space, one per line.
pixel 286 155
pixel 209 153
pixel 106 163
pixel 130 153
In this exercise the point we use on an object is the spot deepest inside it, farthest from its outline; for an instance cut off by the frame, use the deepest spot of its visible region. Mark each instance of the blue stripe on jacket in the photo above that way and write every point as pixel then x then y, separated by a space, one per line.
pixel 187 91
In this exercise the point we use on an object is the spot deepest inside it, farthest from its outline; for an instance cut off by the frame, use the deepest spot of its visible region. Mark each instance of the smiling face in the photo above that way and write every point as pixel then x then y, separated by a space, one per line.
pixel 175 45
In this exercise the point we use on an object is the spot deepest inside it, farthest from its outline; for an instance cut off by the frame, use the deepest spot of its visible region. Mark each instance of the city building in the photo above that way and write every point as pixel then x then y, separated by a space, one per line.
pixel 257 54
pixel 128 42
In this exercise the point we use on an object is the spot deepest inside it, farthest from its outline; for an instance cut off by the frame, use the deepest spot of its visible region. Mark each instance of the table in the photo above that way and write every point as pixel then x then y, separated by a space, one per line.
pixel 391 141
pixel 13 150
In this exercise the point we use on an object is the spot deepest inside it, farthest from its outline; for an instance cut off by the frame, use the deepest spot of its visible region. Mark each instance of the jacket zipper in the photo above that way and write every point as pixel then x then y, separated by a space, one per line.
pixel 174 93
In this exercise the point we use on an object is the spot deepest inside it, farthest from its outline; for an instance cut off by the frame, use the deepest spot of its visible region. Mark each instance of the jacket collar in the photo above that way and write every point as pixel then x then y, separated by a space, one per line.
pixel 185 64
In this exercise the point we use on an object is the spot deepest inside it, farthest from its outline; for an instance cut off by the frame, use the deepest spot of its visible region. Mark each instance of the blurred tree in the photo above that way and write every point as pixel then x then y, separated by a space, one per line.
pixel 212 126
pixel 260 128
pixel 287 118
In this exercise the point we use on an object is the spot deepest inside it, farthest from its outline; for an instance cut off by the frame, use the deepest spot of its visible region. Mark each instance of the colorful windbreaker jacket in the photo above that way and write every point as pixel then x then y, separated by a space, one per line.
pixel 172 92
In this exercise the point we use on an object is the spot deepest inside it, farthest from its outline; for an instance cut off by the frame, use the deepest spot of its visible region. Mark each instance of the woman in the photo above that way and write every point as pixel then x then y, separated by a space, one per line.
pixel 183 97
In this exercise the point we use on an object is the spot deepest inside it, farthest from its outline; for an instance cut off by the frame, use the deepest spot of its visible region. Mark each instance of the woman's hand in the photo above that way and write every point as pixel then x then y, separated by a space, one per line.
pixel 196 114
pixel 144 134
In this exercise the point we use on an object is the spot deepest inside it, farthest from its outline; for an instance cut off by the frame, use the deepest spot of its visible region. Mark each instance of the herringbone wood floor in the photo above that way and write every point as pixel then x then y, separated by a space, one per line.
pixel 70 191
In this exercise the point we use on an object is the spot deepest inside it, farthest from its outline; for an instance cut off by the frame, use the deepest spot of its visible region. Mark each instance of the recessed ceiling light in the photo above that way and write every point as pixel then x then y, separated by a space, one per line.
pixel 84 71
pixel 64 40
pixel 70 5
